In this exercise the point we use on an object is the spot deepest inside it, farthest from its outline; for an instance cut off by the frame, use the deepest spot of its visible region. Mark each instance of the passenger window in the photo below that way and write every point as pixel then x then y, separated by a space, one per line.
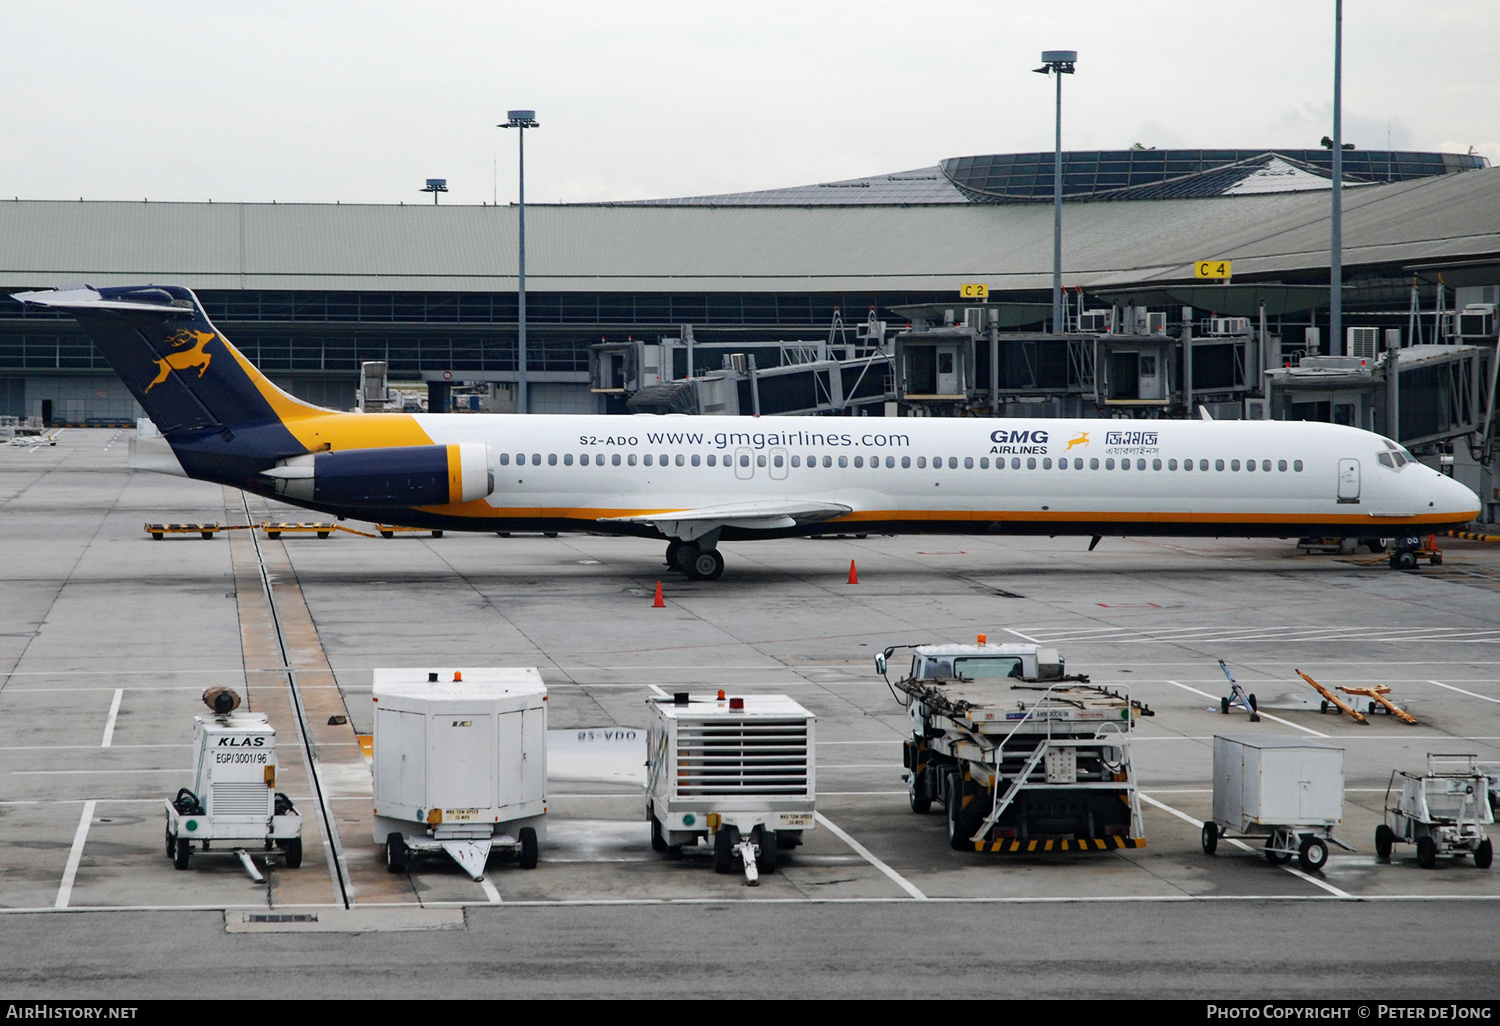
pixel 1203 464
pixel 680 459
pixel 968 463
pixel 843 461
pixel 520 459
pixel 1109 464
pixel 859 463
pixel 796 461
pixel 1140 464
pixel 1094 463
pixel 567 459
pixel 1250 465
pixel 1015 463
pixel 921 462
pixel 1218 464
pixel 1031 463
pixel 760 461
pixel 1281 466
pixel 1234 465
pixel 1046 462
pixel 1297 466
pixel 744 461
pixel 713 461
pixel 648 459
pixel 664 459
pixel 906 463
pixel 1171 464
pixel 505 459
pixel 952 462
pixel 890 463
pixel 632 459
pixel 1124 464
pixel 696 460
pixel 827 462
pixel 614 460
pixel 1078 463
pixel 777 461
pixel 1187 464
pixel 536 459
pixel 552 459
pixel 984 463
pixel 1156 464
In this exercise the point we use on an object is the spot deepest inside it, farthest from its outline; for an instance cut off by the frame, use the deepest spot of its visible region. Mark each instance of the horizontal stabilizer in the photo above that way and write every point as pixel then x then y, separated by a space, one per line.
pixel 76 299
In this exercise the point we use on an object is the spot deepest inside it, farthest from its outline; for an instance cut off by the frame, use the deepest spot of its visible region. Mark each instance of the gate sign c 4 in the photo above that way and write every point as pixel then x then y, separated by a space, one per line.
pixel 1212 269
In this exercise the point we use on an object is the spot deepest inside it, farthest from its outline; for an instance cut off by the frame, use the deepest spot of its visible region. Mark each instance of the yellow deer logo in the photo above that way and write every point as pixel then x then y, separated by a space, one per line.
pixel 1082 439
pixel 188 358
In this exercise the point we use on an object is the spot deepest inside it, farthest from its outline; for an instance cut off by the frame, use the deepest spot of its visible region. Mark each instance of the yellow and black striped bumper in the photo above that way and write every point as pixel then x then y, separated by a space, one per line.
pixel 1009 846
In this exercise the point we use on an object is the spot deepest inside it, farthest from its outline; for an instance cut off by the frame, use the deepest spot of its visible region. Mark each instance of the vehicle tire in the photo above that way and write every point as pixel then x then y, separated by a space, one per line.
pixel 724 842
pixel 1484 854
pixel 292 846
pixel 395 853
pixel 707 565
pixel 158 535
pixel 1323 706
pixel 658 838
pixel 549 534
pixel 1404 560
pixel 1385 840
pixel 765 861
pixel 171 843
pixel 528 856
pixel 324 534
pixel 963 819
pixel 1224 706
pixel 182 855
pixel 1436 560
pixel 1312 854
pixel 207 535
pixel 1276 858
pixel 1210 837
pixel 273 535
pixel 437 534
pixel 1426 852
pixel 917 792
pixel 387 534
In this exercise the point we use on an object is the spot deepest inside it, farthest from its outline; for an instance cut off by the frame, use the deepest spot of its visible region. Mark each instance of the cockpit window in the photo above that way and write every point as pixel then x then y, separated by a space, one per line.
pixel 1385 460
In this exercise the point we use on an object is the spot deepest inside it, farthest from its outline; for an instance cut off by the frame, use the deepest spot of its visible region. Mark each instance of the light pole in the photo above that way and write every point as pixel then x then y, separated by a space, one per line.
pixel 521 119
pixel 1336 244
pixel 1061 63
pixel 435 186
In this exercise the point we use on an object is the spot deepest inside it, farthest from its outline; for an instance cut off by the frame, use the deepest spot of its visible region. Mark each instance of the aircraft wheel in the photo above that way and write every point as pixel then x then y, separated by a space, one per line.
pixel 1312 854
pixel 1426 852
pixel 1210 837
pixel 680 556
pixel 707 565
pixel 1385 839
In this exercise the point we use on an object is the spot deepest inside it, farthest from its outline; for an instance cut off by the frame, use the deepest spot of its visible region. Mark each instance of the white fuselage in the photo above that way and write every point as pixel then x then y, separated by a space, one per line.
pixel 1042 475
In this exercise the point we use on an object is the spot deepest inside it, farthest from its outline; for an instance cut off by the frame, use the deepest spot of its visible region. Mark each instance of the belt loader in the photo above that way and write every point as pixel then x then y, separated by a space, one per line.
pixel 1025 758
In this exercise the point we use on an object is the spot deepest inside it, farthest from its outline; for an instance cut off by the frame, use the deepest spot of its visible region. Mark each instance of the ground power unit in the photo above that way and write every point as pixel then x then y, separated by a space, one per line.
pixel 460 764
pixel 233 806
pixel 735 773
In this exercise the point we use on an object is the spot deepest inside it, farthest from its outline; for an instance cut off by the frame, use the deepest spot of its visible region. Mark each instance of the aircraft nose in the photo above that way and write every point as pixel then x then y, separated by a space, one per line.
pixel 1456 497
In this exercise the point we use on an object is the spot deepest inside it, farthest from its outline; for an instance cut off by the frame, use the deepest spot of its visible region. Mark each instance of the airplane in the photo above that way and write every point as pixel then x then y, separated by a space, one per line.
pixel 699 481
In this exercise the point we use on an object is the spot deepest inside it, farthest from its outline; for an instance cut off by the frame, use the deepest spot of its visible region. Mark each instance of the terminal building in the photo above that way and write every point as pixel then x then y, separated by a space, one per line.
pixel 838 298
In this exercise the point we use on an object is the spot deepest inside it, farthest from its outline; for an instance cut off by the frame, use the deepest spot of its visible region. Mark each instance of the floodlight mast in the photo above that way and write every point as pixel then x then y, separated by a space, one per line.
pixel 521 119
pixel 1336 242
pixel 1059 62
pixel 435 186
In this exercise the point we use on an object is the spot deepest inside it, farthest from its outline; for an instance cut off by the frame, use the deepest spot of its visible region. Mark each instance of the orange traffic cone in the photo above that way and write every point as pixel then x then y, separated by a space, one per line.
pixel 658 603
pixel 853 574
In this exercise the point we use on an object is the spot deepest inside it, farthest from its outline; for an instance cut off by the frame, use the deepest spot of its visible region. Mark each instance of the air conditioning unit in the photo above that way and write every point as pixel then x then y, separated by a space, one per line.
pixel 1476 322
pixel 1362 343
pixel 1094 321
pixel 1229 325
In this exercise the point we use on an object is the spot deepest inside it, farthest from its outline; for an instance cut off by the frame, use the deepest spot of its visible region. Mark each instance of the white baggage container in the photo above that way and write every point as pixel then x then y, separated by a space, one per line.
pixel 735 772
pixel 1289 790
pixel 460 764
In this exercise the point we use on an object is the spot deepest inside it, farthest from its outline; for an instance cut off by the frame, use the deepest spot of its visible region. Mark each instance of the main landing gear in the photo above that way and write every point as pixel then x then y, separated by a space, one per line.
pixel 697 562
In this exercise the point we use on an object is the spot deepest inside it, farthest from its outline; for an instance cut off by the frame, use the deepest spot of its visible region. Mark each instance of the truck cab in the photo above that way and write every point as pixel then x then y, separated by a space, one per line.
pixel 980 662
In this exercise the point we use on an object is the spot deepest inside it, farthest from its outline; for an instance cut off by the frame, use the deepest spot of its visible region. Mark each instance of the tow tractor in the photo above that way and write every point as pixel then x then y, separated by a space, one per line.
pixel 1442 812
pixel 233 802
pixel 1025 757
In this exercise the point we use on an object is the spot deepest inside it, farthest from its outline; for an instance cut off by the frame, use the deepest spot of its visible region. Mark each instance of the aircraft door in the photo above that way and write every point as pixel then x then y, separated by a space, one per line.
pixel 947 370
pixel 744 464
pixel 1348 480
pixel 779 463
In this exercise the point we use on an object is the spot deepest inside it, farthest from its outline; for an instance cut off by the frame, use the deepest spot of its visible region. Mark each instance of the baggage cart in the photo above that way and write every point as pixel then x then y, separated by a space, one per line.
pixel 1442 812
pixel 1287 792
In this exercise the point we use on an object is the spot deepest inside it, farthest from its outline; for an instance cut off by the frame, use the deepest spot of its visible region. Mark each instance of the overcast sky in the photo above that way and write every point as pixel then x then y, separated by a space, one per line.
pixel 362 101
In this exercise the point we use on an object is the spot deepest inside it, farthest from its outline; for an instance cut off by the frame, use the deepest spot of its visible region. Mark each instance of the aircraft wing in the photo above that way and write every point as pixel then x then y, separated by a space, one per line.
pixel 770 515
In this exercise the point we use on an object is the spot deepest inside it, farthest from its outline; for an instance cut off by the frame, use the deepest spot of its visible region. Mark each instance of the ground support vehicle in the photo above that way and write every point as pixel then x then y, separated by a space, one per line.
pixel 460 760
pixel 1287 792
pixel 233 806
pixel 1442 812
pixel 1408 550
pixel 1024 758
pixel 736 774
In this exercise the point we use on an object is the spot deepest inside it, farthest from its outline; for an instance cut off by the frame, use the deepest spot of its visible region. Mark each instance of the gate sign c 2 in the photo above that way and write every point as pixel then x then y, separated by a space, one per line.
pixel 974 291
pixel 1212 269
